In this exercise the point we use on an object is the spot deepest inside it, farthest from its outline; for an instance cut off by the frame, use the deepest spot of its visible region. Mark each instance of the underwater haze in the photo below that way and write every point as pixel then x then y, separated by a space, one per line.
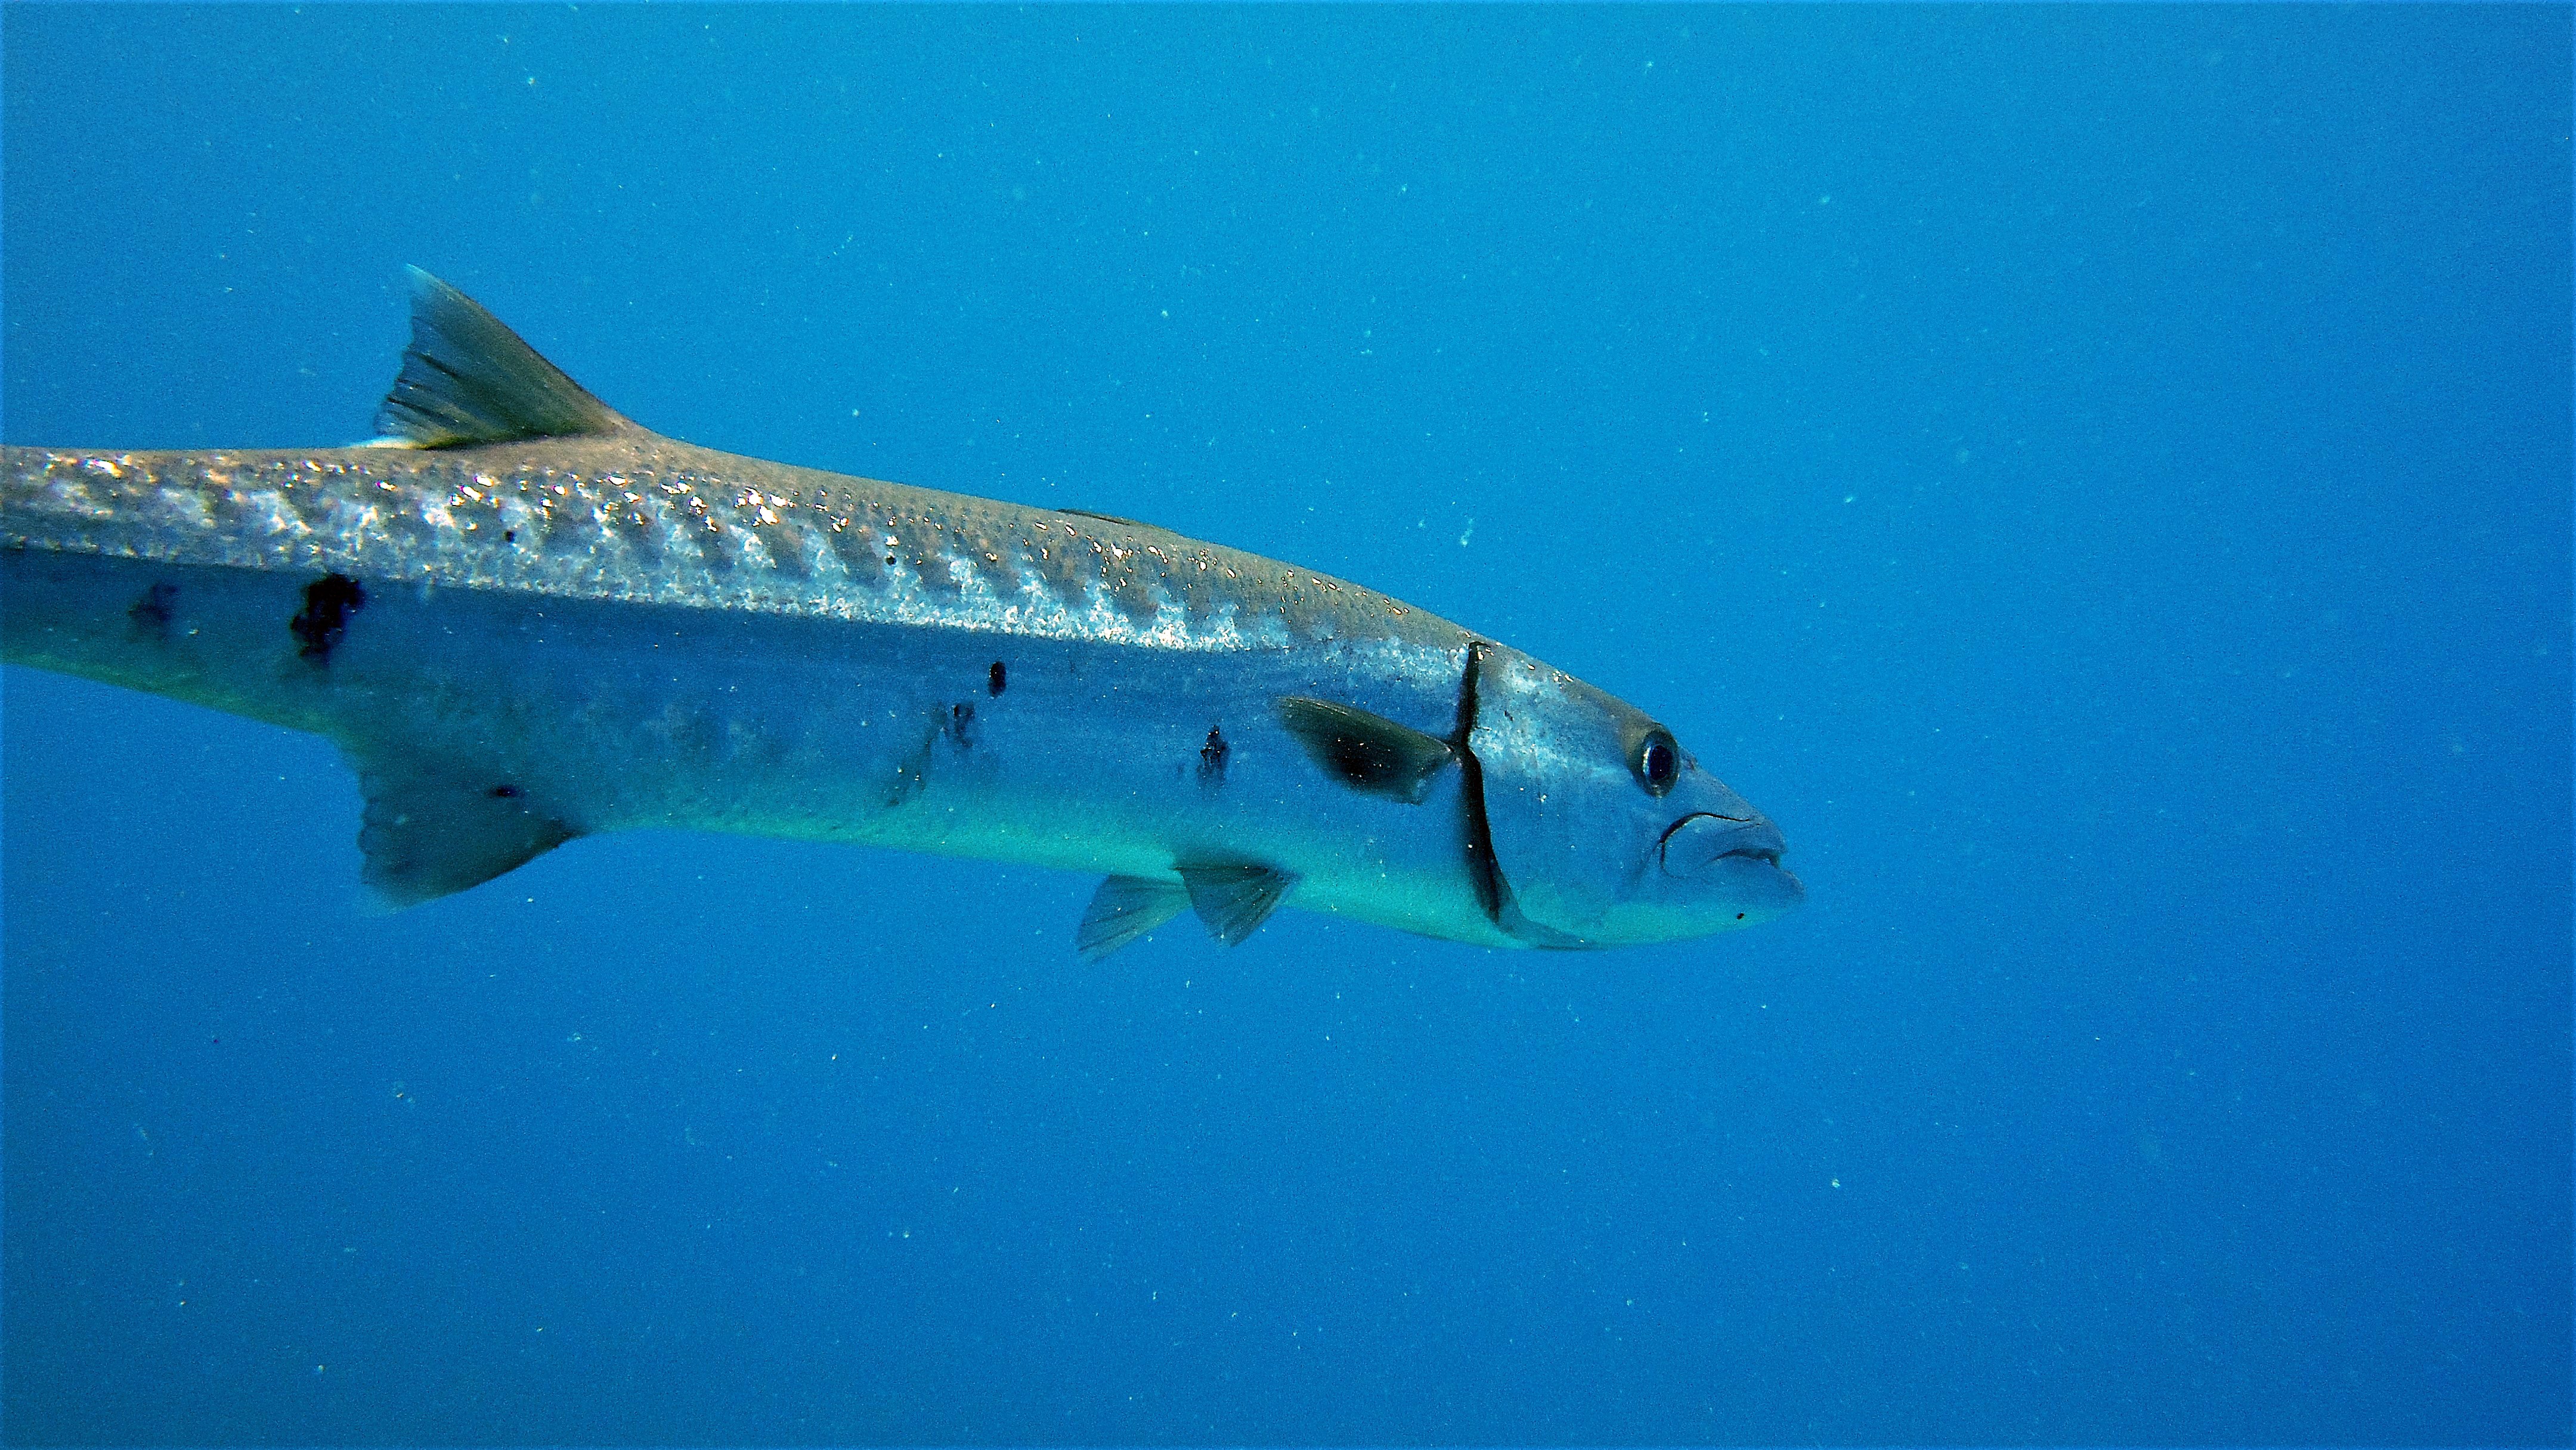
pixel 2098 477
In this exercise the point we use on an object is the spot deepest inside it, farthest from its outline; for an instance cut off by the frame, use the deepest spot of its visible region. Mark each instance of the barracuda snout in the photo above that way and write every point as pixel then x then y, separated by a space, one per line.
pixel 1605 830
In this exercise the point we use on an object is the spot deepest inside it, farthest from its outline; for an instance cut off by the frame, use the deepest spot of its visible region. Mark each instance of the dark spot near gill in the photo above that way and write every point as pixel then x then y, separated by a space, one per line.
pixel 152 612
pixel 328 603
pixel 504 792
pixel 961 725
pixel 1212 759
pixel 1477 831
pixel 997 679
pixel 509 536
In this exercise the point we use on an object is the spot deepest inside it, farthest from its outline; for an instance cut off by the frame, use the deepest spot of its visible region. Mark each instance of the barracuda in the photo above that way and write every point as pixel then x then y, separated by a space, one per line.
pixel 524 619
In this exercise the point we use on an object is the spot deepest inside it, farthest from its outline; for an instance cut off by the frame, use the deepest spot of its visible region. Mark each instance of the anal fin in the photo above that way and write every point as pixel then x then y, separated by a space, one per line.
pixel 1233 901
pixel 427 833
pixel 1123 909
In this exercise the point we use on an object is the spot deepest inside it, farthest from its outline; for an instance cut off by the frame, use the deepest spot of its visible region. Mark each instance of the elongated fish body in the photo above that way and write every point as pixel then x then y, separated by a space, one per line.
pixel 525 619
pixel 560 621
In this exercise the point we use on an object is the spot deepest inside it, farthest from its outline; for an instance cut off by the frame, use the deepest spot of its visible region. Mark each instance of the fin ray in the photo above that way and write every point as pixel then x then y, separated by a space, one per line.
pixel 1233 901
pixel 467 378
pixel 1369 753
pixel 1123 909
pixel 427 834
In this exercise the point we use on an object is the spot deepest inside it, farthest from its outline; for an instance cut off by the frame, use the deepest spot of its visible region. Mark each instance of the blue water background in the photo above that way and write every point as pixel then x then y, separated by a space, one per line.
pixel 2099 477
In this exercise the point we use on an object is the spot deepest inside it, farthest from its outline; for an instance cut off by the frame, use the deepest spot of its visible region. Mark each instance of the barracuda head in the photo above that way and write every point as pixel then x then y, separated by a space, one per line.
pixel 1605 830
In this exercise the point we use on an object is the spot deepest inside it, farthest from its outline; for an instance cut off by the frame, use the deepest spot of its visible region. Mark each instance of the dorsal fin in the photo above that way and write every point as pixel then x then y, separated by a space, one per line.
pixel 1113 519
pixel 467 379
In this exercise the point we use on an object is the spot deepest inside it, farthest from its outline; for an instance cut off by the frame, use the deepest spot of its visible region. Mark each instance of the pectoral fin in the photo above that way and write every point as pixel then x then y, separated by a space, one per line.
pixel 1123 909
pixel 1368 753
pixel 1233 901
pixel 427 833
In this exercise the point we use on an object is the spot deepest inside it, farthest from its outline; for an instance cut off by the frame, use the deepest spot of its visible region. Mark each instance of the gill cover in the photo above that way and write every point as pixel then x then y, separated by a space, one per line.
pixel 1604 830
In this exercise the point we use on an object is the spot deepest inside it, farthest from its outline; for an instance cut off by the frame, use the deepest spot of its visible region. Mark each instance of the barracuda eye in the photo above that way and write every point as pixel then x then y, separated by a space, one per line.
pixel 1658 763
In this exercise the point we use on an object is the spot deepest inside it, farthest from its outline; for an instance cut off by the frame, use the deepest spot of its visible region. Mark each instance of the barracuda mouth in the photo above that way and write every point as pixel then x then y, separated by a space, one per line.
pixel 1701 839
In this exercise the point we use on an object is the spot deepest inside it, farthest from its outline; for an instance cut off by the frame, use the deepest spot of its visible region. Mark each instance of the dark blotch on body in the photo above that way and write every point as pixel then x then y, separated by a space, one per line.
pixel 1212 759
pixel 997 679
pixel 152 612
pixel 328 603
pixel 912 774
pixel 504 792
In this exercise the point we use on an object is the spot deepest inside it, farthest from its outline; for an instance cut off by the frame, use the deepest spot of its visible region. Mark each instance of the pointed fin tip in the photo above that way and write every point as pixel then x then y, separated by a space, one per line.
pixel 426 833
pixel 1123 909
pixel 1369 753
pixel 467 378
pixel 1233 900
